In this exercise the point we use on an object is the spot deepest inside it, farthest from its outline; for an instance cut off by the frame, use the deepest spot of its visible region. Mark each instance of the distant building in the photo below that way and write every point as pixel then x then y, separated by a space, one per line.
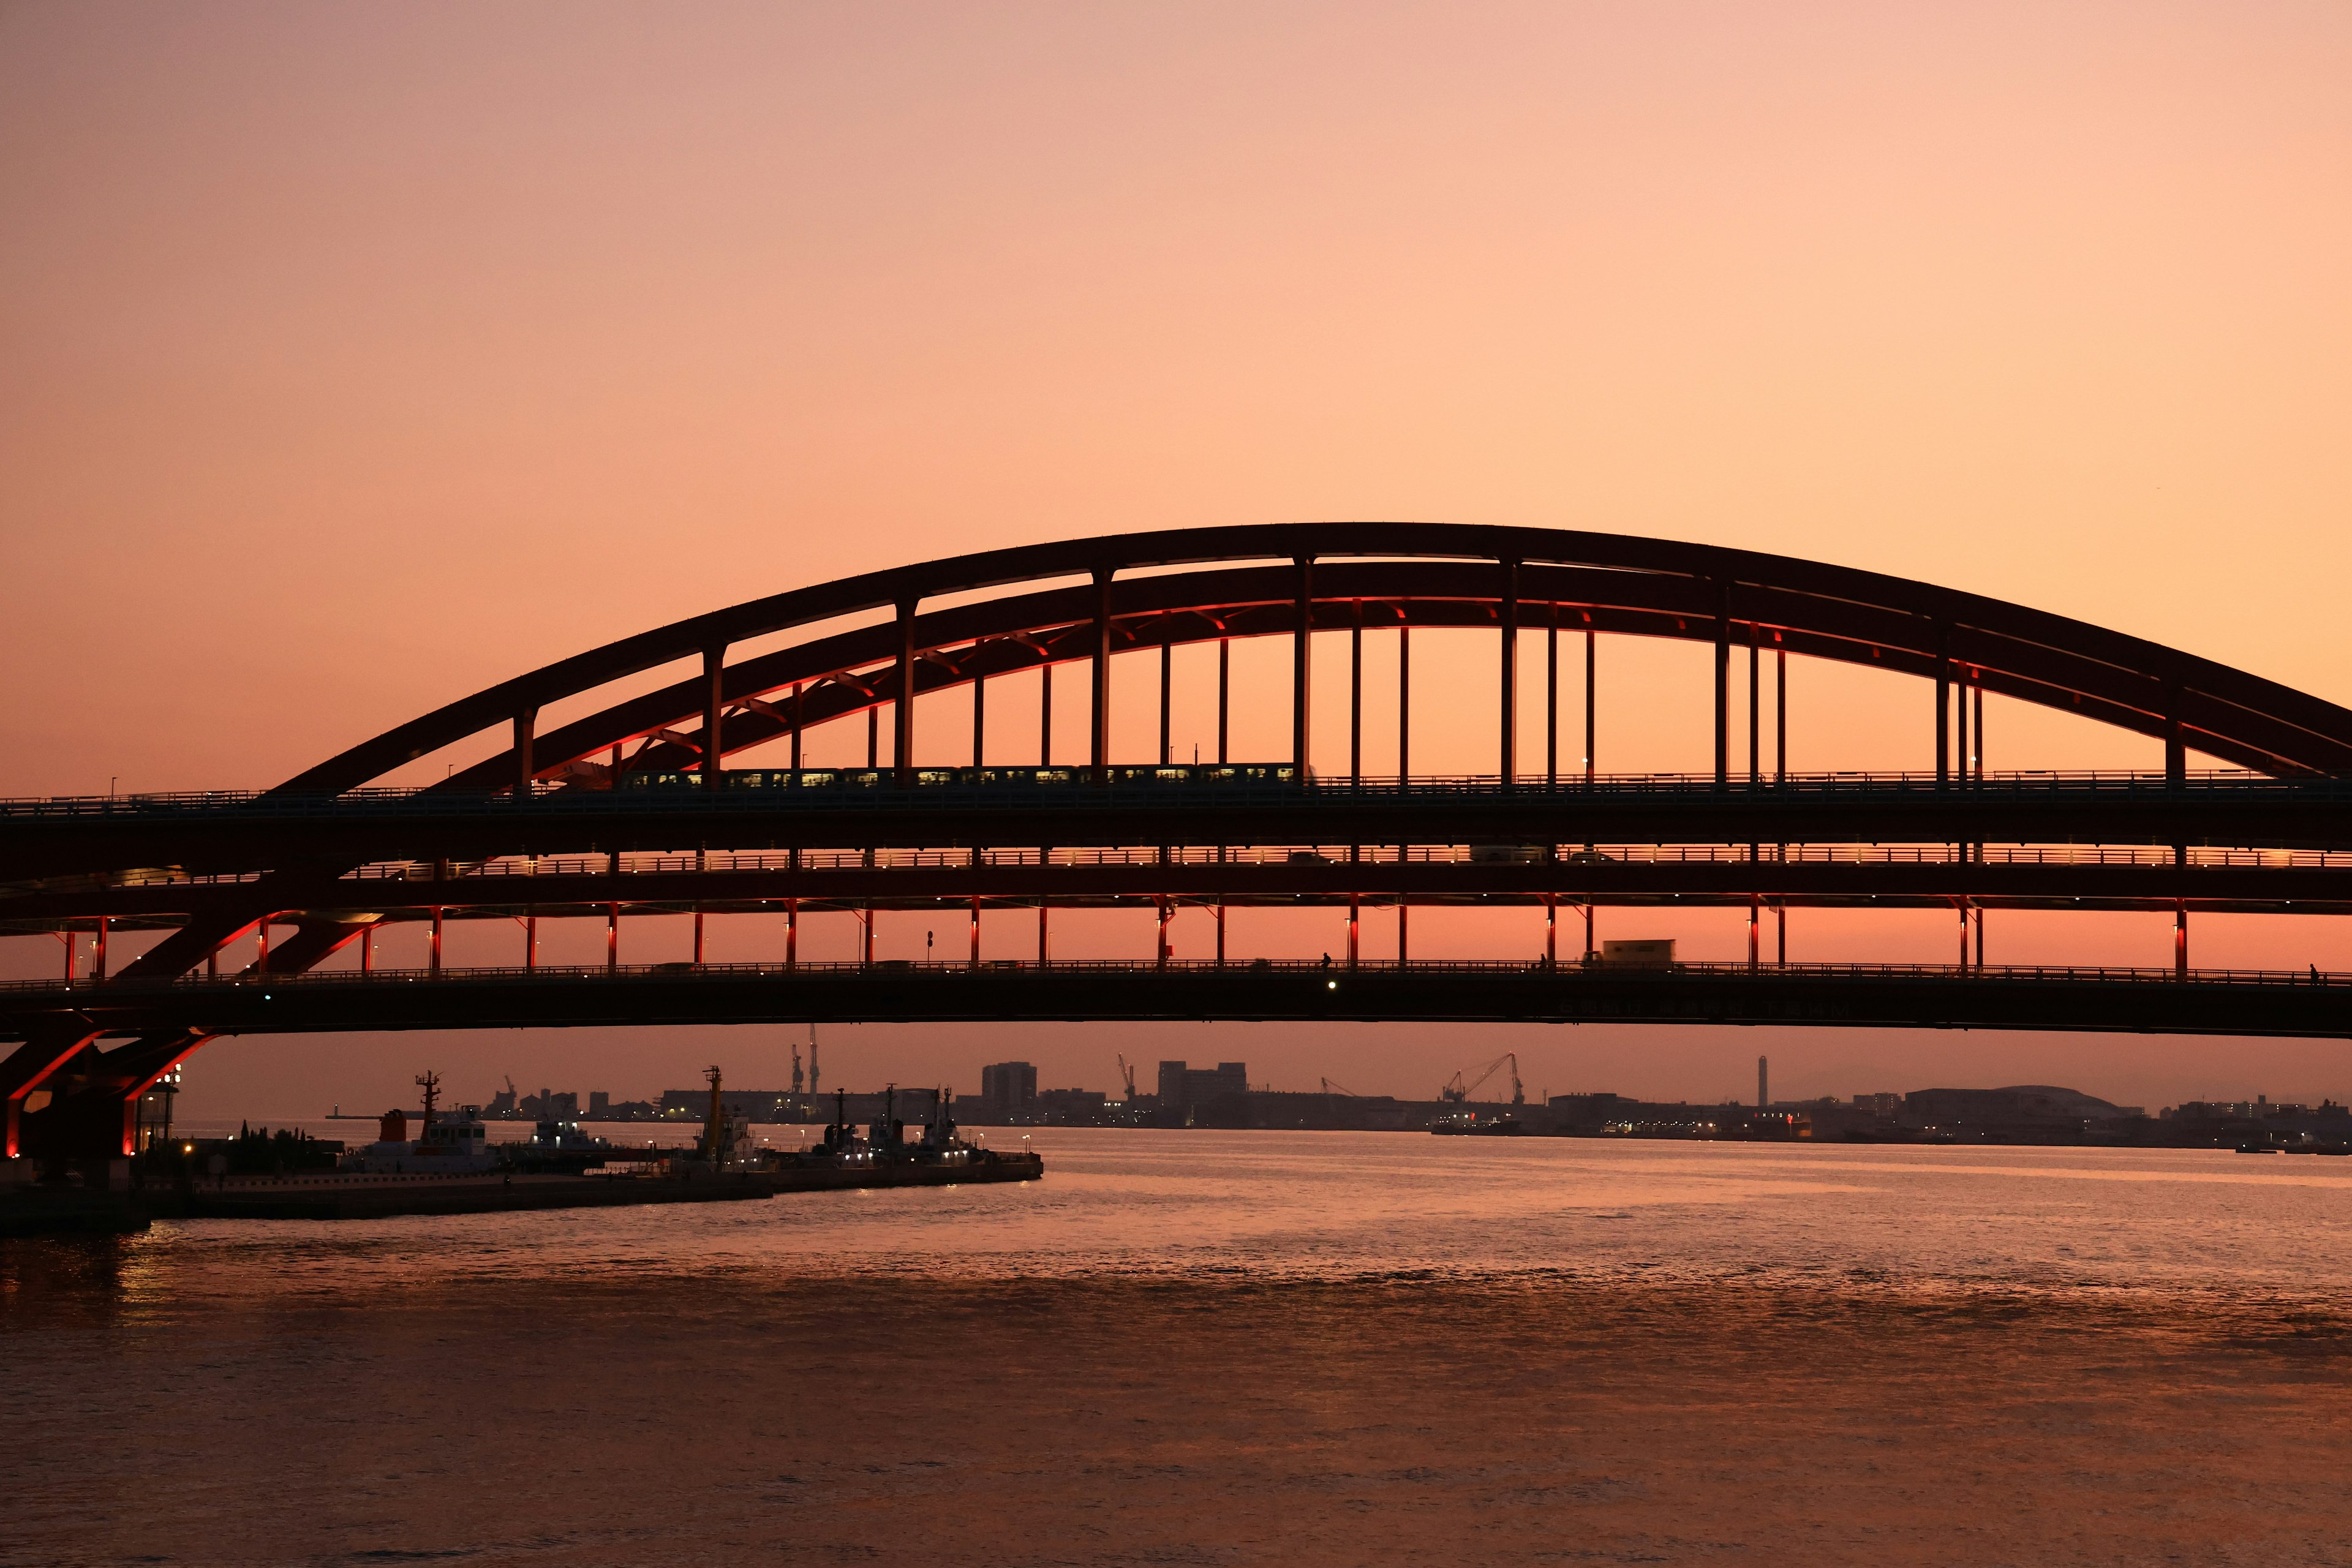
pixel 1008 1090
pixel 600 1104
pixel 1183 1087
pixel 2019 1111
pixel 747 1104
pixel 1071 1106
pixel 1186 1094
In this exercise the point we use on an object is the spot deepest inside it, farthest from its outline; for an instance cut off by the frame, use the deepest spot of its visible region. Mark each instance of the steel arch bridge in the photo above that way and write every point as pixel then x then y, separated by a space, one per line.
pixel 631 810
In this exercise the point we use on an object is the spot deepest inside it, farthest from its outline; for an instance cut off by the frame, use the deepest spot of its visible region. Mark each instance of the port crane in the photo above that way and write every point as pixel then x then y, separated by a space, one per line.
pixel 1330 1088
pixel 1455 1090
pixel 1127 1073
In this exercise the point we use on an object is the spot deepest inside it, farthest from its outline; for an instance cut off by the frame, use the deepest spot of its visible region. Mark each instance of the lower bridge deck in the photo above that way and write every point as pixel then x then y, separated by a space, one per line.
pixel 2155 1001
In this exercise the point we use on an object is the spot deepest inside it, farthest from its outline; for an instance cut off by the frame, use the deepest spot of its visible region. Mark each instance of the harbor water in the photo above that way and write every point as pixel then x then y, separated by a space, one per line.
pixel 1230 1347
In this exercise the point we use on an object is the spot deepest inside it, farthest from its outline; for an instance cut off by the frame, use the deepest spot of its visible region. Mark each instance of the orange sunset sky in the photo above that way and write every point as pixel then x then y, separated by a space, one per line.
pixel 360 356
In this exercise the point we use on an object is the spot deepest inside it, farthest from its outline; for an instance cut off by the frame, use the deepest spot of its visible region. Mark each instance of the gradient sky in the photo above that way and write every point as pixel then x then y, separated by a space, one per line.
pixel 362 356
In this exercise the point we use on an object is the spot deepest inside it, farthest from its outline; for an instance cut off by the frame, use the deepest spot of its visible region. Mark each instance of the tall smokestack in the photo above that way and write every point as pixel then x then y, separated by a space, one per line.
pixel 1763 1083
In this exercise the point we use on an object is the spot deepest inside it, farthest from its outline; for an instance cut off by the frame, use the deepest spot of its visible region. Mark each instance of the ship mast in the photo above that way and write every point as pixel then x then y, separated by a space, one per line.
pixel 714 1126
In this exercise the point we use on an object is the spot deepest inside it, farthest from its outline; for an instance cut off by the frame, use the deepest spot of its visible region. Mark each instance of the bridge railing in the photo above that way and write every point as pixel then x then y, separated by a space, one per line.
pixel 913 972
pixel 1333 853
pixel 721 862
pixel 949 786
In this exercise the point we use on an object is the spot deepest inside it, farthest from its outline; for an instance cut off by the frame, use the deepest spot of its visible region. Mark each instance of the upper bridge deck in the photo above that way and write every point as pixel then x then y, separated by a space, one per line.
pixel 1178 804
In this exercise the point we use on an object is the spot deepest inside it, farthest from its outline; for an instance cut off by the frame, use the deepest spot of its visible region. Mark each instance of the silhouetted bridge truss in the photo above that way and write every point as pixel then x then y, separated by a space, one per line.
pixel 632 810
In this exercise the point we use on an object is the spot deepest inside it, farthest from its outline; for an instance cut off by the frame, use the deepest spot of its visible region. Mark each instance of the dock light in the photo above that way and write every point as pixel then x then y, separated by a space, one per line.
pixel 1331 985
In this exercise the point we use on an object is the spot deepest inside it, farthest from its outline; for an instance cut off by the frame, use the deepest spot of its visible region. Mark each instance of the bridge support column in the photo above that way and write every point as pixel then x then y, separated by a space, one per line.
pixel 902 712
pixel 1780 928
pixel 865 919
pixel 611 937
pixel 1552 696
pixel 1755 933
pixel 792 933
pixel 1224 694
pixel 1302 665
pixel 1404 704
pixel 2175 749
pixel 1591 953
pixel 799 709
pixel 529 942
pixel 1355 919
pixel 1755 716
pixel 1723 686
pixel 1980 914
pixel 1044 944
pixel 367 952
pixel 524 772
pixel 1551 931
pixel 1045 718
pixel 714 715
pixel 2180 942
pixel 975 932
pixel 1943 706
pixel 1100 743
pixel 1508 615
pixel 1960 758
pixel 698 936
pixel 1779 715
pixel 1588 684
pixel 1166 684
pixel 1964 933
pixel 1167 911
pixel 1220 936
pixel 978 717
pixel 436 961
pixel 1981 736
pixel 1356 697
pixel 1405 931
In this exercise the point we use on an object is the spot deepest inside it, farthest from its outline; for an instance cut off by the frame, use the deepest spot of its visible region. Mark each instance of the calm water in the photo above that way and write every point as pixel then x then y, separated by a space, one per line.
pixel 2232 1230
pixel 1234 1347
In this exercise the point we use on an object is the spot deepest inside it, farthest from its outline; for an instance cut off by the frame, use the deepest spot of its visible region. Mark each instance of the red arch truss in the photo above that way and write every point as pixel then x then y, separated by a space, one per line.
pixel 1267 580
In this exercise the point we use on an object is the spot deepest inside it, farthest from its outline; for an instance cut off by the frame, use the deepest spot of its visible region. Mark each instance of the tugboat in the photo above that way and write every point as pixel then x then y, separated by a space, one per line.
pixel 456 1144
pixel 883 1157
pixel 557 1145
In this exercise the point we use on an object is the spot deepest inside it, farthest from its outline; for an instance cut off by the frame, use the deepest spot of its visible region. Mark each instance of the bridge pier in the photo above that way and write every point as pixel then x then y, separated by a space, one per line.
pixel 93 1096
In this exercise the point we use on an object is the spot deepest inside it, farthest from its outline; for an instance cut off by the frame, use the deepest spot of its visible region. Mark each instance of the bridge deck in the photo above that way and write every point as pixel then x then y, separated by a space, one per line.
pixel 2215 1002
pixel 231 833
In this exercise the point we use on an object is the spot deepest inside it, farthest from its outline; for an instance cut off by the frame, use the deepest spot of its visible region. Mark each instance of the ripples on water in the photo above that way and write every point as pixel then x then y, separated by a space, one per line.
pixel 1237 1346
pixel 1342 1206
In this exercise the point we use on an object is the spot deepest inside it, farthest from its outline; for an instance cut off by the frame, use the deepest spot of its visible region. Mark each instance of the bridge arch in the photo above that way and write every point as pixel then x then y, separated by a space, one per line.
pixel 1325 575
